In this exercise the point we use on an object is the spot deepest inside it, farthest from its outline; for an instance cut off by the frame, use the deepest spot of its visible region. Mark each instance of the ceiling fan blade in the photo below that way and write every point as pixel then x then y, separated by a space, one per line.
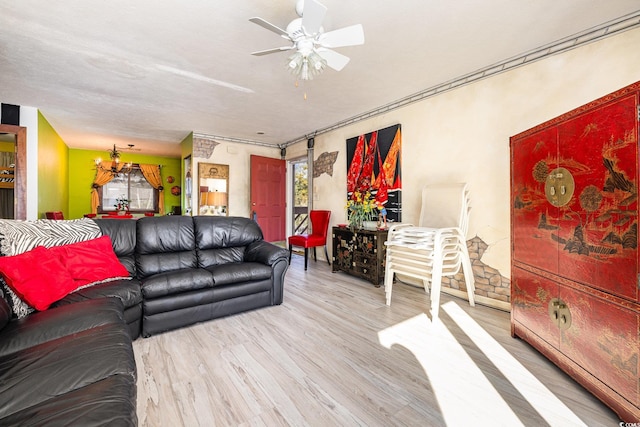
pixel 347 36
pixel 269 26
pixel 312 16
pixel 335 60
pixel 274 50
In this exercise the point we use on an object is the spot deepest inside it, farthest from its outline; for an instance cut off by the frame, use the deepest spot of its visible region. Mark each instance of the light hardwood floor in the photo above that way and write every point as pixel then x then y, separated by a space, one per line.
pixel 333 354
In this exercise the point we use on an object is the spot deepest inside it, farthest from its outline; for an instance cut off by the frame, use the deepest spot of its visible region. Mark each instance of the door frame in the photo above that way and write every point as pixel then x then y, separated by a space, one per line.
pixel 290 192
pixel 20 173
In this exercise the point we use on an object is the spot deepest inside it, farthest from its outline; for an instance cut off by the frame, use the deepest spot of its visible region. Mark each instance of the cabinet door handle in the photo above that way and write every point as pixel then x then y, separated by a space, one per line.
pixel 559 313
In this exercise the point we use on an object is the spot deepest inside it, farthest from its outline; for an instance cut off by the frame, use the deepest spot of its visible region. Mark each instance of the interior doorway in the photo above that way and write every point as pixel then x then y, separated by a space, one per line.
pixel 13 172
pixel 268 196
pixel 300 196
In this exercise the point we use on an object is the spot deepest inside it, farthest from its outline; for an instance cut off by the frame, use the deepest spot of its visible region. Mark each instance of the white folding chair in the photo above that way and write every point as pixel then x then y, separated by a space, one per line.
pixel 437 247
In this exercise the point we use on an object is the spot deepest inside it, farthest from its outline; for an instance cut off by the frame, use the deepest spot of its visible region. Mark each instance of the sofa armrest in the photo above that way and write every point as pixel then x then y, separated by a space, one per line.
pixel 265 253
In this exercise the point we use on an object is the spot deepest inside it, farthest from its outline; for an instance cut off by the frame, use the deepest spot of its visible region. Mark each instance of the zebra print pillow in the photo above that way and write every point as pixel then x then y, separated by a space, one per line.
pixel 18 237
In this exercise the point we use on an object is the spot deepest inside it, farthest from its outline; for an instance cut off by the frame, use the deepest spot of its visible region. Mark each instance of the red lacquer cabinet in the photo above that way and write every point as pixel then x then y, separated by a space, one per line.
pixel 574 229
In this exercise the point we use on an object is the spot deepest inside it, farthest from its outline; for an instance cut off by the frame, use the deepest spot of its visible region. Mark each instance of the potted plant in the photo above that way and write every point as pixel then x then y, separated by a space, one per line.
pixel 361 208
pixel 122 204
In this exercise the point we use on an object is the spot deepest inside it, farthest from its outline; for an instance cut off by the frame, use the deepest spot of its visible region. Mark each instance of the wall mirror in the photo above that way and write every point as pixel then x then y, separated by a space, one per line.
pixel 213 180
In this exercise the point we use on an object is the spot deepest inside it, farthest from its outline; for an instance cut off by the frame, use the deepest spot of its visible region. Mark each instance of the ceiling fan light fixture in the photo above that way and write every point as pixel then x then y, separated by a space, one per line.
pixel 317 62
pixel 306 67
pixel 295 61
pixel 313 46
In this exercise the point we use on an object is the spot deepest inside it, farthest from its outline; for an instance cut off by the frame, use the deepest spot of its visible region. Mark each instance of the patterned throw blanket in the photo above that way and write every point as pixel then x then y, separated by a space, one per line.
pixel 17 237
pixel 21 236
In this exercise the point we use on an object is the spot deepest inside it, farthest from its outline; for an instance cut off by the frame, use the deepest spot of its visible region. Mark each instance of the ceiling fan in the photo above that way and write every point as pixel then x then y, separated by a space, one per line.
pixel 313 46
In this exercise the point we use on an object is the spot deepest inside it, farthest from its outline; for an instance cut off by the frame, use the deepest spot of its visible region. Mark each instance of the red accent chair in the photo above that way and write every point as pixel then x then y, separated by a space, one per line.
pixel 319 227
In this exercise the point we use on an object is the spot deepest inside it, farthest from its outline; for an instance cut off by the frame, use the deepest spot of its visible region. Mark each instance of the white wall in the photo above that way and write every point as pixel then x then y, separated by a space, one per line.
pixel 238 157
pixel 29 119
pixel 463 135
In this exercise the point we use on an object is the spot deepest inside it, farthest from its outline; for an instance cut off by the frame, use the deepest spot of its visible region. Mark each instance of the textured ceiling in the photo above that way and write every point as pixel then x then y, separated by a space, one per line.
pixel 149 72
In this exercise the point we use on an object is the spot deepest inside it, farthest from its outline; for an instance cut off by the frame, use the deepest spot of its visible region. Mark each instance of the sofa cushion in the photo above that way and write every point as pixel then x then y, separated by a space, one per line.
pixel 37 277
pixel 214 301
pixel 175 282
pixel 34 375
pixel 220 240
pixel 58 322
pixel 90 261
pixel 213 257
pixel 126 290
pixel 239 272
pixel 108 402
pixel 164 244
pixel 261 289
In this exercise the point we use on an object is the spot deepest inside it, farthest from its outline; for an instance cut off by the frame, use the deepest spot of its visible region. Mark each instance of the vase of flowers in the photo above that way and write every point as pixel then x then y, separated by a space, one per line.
pixel 122 204
pixel 360 208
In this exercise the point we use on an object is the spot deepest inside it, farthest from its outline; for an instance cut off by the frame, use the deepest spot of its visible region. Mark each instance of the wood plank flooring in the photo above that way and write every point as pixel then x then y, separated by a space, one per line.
pixel 333 354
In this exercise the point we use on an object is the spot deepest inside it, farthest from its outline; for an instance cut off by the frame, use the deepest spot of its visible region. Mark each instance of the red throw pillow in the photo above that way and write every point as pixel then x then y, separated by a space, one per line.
pixel 36 277
pixel 90 261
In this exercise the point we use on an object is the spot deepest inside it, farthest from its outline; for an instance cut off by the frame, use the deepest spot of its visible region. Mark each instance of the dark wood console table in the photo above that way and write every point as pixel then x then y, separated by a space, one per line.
pixel 360 253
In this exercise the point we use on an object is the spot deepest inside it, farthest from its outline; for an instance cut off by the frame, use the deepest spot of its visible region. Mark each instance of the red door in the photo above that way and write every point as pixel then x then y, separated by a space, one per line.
pixel 268 195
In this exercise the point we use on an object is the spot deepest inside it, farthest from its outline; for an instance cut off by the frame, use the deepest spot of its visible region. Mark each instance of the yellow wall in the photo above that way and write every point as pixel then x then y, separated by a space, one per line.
pixel 82 172
pixel 186 150
pixel 53 170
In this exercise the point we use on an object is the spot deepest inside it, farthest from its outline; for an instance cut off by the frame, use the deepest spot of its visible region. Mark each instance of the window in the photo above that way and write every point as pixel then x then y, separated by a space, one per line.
pixel 300 197
pixel 132 186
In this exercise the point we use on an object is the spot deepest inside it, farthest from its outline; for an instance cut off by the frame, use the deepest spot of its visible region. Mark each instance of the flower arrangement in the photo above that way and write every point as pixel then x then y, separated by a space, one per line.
pixel 122 203
pixel 360 207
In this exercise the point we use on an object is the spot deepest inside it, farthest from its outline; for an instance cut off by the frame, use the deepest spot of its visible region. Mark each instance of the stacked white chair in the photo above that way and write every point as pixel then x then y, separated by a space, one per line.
pixel 437 247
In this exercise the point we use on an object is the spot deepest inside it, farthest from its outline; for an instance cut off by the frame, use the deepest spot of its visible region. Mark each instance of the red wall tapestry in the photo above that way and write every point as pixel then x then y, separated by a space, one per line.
pixel 373 165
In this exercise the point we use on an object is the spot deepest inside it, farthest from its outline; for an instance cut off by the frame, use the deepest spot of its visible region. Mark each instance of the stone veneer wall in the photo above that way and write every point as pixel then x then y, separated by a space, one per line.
pixel 489 282
pixel 203 147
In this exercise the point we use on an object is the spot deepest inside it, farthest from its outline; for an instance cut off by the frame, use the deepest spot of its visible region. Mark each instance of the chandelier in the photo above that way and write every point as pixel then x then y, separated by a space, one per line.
pixel 116 168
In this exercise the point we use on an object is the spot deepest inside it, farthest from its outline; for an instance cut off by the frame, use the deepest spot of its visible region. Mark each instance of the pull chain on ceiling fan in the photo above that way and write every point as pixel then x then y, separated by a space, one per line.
pixel 313 46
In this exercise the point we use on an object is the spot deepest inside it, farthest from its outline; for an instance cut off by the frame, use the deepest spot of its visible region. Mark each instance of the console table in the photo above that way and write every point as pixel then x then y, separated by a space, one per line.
pixel 360 253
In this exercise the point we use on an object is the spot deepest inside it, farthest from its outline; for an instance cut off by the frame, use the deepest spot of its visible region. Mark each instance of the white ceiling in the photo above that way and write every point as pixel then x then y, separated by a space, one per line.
pixel 149 72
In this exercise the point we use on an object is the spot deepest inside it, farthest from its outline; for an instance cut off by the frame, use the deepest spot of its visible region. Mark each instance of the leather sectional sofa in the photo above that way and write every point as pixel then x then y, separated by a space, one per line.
pixel 73 364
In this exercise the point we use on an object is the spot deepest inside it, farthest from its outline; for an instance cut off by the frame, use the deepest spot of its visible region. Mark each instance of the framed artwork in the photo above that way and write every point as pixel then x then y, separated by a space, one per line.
pixel 373 166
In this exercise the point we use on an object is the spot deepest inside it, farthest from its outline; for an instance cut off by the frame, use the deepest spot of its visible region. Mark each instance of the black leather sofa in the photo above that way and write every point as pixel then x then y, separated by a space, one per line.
pixel 188 270
pixel 73 364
